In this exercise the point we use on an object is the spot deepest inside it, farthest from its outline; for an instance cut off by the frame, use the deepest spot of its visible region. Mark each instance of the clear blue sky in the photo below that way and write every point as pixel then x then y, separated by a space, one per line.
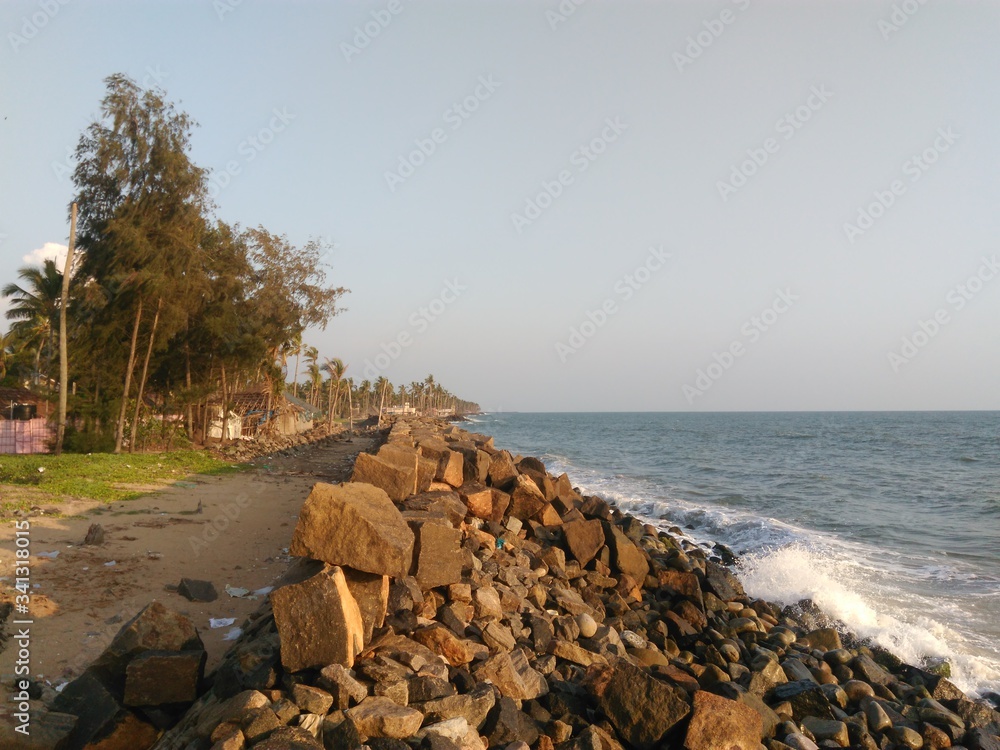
pixel 738 137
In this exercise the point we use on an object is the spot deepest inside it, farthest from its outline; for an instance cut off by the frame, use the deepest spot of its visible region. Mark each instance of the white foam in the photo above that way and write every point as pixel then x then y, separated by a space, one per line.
pixel 855 595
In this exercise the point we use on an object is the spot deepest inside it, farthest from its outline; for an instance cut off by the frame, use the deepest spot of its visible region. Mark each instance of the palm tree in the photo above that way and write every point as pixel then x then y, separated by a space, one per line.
pixel 336 368
pixel 363 391
pixel 315 374
pixel 35 310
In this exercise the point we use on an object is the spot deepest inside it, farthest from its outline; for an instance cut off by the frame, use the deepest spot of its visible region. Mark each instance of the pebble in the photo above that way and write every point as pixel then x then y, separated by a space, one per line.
pixel 587 625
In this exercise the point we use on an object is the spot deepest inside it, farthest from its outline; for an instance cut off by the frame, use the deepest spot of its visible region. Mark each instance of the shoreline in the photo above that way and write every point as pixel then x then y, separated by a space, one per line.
pixel 558 605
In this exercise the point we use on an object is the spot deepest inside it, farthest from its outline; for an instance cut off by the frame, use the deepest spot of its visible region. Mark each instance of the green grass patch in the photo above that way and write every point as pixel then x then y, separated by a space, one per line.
pixel 100 476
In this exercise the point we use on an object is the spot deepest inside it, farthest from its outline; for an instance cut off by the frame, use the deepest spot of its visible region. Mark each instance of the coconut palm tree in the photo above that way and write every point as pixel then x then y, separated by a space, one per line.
pixel 336 368
pixel 35 310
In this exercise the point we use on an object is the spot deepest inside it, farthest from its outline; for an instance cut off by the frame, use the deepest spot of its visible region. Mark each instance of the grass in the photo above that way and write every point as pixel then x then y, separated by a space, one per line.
pixel 99 476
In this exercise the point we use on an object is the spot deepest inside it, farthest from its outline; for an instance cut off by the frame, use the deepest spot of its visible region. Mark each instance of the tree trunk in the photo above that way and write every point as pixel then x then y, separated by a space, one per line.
pixel 63 345
pixel 350 409
pixel 380 404
pixel 142 380
pixel 120 428
pixel 225 411
pixel 295 383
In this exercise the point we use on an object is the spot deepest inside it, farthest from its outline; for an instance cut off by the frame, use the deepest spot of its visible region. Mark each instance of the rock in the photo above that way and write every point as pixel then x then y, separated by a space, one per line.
pixel 102 721
pixel 769 676
pixel 723 583
pixel 258 723
pixel 507 724
pixel 878 719
pixel 154 628
pixel 478 498
pixel 856 690
pixel 427 688
pixel 871 672
pixel 95 535
pixel 497 637
pixel 311 700
pixel 525 498
pixel 376 716
pixel 450 468
pixel 396 480
pixel 827 729
pixel 798 741
pixel 156 678
pixel 584 539
pixel 980 739
pixel 197 591
pixel 625 556
pixel 587 625
pixel 289 738
pixel 355 525
pixel 474 706
pixel 436 554
pixel 52 730
pixel 501 470
pixel 318 621
pixel 805 697
pixel 641 708
pixel 230 710
pixel 513 676
pixel 444 642
pixel 342 686
pixel 371 592
pixel 486 601
pixel 575 653
pixel 905 737
pixel 825 639
pixel 718 723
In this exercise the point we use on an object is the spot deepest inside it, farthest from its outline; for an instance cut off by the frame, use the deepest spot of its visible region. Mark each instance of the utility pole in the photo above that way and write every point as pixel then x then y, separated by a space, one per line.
pixel 63 347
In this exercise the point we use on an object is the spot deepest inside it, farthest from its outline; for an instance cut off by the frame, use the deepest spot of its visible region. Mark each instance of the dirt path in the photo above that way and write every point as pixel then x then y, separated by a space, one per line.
pixel 239 537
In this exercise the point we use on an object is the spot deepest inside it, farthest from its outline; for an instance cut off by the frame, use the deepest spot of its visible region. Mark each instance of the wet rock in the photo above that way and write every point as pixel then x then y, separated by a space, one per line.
pixel 825 639
pixel 870 671
pixel 641 708
pixel 379 717
pixel 827 729
pixel 721 724
pixel 723 583
pixel 318 620
pixel 805 697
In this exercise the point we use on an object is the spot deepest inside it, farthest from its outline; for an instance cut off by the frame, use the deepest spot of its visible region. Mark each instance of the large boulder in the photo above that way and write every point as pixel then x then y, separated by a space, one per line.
pixel 355 525
pixel 398 481
pixel 156 678
pixel 371 592
pixel 103 721
pixel 584 539
pixel 318 620
pixel 641 708
pixel 525 498
pixel 718 723
pixel 437 558
pixel 625 556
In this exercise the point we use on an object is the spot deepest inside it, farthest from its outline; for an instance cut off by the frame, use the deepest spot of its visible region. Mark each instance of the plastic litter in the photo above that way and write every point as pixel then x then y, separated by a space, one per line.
pixel 233 634
pixel 222 622
pixel 48 555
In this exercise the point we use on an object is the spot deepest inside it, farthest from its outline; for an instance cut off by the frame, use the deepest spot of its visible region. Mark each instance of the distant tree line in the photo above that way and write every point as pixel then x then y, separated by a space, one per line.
pixel 168 306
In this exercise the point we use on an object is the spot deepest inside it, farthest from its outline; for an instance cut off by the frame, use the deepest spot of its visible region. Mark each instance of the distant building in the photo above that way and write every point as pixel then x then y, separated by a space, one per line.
pixel 24 422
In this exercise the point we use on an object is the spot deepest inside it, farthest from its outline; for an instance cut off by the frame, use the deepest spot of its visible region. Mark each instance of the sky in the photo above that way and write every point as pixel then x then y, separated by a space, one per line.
pixel 577 205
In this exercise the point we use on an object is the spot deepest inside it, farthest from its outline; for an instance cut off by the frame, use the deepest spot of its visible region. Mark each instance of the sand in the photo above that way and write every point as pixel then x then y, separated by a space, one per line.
pixel 239 538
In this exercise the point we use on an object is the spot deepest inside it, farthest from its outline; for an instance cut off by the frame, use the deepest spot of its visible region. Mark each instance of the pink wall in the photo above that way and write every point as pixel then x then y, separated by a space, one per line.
pixel 25 436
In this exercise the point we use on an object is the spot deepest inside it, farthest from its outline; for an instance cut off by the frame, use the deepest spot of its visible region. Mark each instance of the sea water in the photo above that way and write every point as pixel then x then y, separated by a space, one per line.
pixel 889 522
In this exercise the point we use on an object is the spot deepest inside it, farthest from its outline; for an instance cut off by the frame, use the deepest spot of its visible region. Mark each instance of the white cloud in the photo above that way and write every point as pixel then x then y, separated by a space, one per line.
pixel 48 251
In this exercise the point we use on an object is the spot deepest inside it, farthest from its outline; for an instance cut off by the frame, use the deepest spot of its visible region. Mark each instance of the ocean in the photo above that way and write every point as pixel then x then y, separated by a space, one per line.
pixel 889 522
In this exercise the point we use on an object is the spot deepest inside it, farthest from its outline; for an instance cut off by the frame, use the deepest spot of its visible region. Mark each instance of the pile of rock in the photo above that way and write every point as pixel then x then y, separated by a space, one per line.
pixel 455 596
pixel 269 445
